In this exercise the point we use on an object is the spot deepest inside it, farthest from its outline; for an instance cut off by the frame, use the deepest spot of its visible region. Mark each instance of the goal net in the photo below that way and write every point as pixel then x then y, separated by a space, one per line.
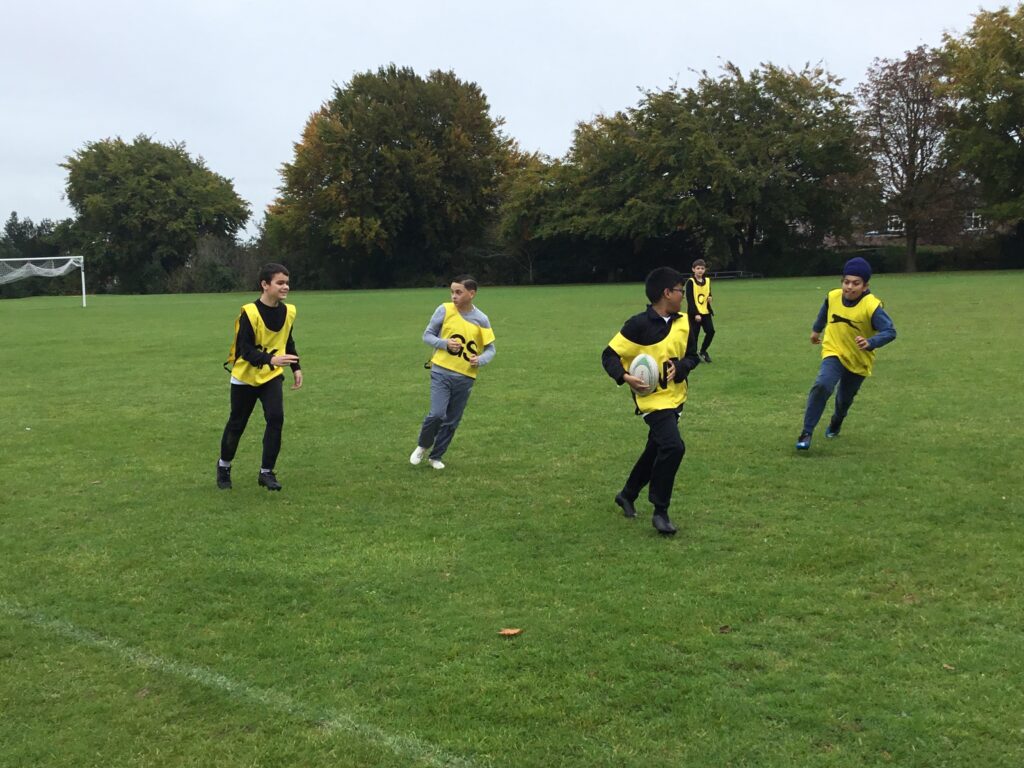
pixel 55 266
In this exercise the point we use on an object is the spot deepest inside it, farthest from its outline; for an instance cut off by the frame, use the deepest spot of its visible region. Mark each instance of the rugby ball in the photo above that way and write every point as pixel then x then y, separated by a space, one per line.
pixel 645 368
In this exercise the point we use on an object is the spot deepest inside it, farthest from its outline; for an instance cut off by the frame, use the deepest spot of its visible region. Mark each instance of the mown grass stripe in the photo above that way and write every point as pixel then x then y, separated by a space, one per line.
pixel 333 722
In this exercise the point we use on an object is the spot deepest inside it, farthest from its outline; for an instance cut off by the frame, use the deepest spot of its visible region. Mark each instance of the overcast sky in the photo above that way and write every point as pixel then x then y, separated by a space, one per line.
pixel 236 80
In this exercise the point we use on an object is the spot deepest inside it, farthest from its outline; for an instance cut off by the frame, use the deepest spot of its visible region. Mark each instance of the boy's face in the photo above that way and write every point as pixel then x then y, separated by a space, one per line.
pixel 853 287
pixel 699 270
pixel 674 297
pixel 461 296
pixel 277 289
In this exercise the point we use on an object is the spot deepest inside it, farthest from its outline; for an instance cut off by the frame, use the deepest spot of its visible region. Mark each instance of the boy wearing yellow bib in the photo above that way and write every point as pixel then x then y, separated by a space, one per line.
pixel 848 315
pixel 665 334
pixel 263 345
pixel 698 307
pixel 463 341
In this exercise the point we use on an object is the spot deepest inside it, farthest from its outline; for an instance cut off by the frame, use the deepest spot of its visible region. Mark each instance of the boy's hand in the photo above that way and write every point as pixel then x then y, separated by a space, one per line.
pixel 454 346
pixel 670 372
pixel 696 318
pixel 283 360
pixel 815 337
pixel 474 360
pixel 861 342
pixel 634 383
pixel 298 379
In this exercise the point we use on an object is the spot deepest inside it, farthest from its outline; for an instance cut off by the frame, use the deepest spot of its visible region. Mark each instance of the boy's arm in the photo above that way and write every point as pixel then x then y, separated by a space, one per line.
pixel 885 331
pixel 691 302
pixel 487 355
pixel 819 323
pixel 613 364
pixel 610 359
pixel 289 349
pixel 430 335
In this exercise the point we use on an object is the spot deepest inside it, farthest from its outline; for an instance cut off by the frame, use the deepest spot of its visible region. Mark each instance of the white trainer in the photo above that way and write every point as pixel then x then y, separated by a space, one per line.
pixel 417 455
pixel 435 463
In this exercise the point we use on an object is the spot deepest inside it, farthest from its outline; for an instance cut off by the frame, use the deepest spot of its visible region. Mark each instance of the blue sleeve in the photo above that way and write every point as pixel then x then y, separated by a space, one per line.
pixel 487 355
pixel 433 328
pixel 885 331
pixel 819 324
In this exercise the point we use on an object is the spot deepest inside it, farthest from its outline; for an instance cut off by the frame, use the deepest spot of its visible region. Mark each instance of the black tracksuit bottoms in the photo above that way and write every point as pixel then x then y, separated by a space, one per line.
pixel 659 462
pixel 243 400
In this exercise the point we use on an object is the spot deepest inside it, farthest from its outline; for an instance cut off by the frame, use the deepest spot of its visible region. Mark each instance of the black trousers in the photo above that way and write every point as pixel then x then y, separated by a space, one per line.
pixel 708 325
pixel 659 462
pixel 243 400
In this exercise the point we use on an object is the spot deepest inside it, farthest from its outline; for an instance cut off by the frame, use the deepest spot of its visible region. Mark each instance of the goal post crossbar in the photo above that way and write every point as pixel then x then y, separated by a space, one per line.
pixel 42 266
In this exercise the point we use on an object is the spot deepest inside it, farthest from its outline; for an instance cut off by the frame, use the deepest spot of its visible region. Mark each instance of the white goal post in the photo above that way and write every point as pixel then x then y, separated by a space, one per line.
pixel 53 266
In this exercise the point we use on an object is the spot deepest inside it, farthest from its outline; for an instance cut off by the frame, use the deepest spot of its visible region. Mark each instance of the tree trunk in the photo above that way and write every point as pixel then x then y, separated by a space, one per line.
pixel 910 264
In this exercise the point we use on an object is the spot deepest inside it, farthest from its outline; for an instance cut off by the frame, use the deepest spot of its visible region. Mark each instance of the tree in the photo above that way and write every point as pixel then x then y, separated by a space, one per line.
pixel 735 164
pixel 392 176
pixel 23 239
pixel 525 191
pixel 986 80
pixel 904 118
pixel 771 156
pixel 142 207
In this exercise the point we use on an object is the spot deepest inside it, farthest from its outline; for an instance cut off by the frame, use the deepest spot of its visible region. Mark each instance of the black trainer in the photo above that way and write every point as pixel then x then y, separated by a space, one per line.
pixel 269 481
pixel 662 524
pixel 627 505
pixel 705 356
pixel 833 427
pixel 223 477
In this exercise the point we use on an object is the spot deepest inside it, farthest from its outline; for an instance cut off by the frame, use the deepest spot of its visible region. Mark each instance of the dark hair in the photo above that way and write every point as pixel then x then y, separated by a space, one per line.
pixel 661 280
pixel 467 281
pixel 698 263
pixel 267 272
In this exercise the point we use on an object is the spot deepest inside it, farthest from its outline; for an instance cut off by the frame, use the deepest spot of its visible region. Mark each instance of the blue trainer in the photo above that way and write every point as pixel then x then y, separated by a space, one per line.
pixel 833 427
pixel 803 442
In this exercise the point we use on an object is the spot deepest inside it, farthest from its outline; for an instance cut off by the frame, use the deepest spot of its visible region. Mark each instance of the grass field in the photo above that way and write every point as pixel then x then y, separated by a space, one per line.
pixel 858 605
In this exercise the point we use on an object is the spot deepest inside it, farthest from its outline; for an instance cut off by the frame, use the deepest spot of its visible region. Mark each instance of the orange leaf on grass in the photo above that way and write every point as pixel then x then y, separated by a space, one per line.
pixel 510 632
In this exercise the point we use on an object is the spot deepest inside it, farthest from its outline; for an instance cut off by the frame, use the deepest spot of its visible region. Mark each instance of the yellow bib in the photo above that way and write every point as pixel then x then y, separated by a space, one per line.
pixel 273 342
pixel 701 295
pixel 473 338
pixel 843 325
pixel 669 394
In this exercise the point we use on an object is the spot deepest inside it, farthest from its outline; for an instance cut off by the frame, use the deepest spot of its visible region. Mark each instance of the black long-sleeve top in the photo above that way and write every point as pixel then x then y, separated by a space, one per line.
pixel 245 343
pixel 647 328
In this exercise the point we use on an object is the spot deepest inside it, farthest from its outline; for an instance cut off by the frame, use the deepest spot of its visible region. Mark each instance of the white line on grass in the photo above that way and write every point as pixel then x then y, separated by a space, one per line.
pixel 333 722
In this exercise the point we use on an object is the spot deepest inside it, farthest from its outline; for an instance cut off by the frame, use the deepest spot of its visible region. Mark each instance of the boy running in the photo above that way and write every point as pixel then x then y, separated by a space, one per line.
pixel 463 341
pixel 262 330
pixel 663 333
pixel 847 316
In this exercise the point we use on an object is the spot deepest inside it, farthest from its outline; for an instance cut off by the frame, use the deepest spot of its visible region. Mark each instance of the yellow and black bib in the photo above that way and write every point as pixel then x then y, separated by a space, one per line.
pixel 843 325
pixel 273 342
pixel 473 337
pixel 669 394
pixel 702 296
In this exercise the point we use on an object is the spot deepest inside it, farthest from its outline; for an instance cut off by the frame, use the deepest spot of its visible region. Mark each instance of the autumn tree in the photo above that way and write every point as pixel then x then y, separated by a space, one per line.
pixel 986 81
pixel 904 117
pixel 142 206
pixel 392 176
pixel 742 167
pixel 772 152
